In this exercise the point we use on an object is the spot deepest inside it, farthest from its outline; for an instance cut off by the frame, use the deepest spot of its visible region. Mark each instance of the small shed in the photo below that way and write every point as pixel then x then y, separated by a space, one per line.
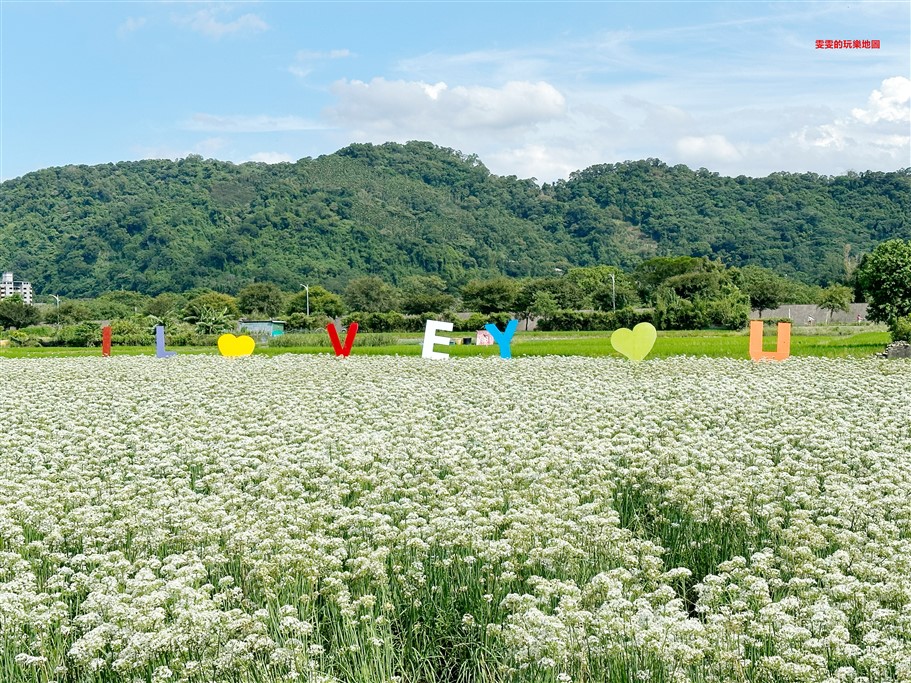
pixel 262 328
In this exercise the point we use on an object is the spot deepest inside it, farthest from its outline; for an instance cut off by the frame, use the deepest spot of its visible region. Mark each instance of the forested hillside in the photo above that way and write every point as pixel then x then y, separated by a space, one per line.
pixel 398 210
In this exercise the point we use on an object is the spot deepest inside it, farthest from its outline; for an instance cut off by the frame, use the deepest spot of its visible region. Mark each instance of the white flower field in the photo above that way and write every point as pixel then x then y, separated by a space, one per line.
pixel 380 519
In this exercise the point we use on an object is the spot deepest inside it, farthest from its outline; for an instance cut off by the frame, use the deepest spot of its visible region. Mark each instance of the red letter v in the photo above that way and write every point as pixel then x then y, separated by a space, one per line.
pixel 349 339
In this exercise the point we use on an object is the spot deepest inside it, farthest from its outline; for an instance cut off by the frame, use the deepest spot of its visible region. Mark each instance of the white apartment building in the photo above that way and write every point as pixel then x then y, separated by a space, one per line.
pixel 8 287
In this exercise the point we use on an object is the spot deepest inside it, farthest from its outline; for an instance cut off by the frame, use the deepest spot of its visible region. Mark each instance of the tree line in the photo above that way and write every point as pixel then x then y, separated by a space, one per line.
pixel 677 292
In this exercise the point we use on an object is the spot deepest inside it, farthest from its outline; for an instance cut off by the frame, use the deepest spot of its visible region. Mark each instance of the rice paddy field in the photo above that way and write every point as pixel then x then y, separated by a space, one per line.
pixel 391 519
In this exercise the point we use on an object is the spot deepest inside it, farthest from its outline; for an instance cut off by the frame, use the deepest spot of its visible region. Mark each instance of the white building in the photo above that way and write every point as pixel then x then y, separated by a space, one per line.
pixel 8 287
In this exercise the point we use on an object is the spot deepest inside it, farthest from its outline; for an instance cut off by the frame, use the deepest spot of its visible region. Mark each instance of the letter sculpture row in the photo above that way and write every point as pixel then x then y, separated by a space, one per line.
pixel 635 344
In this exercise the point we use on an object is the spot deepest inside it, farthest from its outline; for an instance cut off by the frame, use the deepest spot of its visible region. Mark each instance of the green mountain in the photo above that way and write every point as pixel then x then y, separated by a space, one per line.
pixel 397 210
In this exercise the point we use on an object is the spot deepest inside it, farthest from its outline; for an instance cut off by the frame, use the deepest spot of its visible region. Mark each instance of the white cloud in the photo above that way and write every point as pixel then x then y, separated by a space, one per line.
pixel 303 55
pixel 305 59
pixel 427 108
pixel 878 133
pixel 271 157
pixel 543 162
pixel 129 26
pixel 208 23
pixel 889 104
pixel 707 148
pixel 249 124
pixel 210 146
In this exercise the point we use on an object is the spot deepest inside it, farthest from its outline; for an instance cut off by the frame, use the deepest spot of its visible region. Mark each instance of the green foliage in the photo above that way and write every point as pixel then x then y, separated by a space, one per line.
pixel 14 312
pixel 131 332
pixel 184 334
pixel 371 295
pixel 477 321
pixel 693 293
pixel 676 313
pixel 601 291
pixel 397 211
pixel 213 301
pixel 166 305
pixel 421 293
pixel 301 321
pixel 730 312
pixel 22 338
pixel 885 278
pixel 765 289
pixel 68 313
pixel 900 328
pixel 261 300
pixel 543 303
pixel 800 292
pixel 799 225
pixel 393 321
pixel 299 339
pixel 321 301
pixel 321 340
pixel 121 304
pixel 213 321
pixel 490 296
pixel 585 321
pixel 566 293
pixel 651 274
pixel 835 298
pixel 83 334
pixel 377 322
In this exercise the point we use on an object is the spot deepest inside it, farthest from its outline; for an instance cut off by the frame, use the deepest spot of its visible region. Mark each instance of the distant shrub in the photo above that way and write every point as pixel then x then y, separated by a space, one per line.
pixel 83 334
pixel 39 330
pixel 900 329
pixel 393 321
pixel 131 333
pixel 586 321
pixel 322 340
pixel 184 334
pixel 22 338
pixel 418 323
pixel 377 322
pixel 679 314
pixel 200 340
pixel 376 339
pixel 299 339
pixel 300 322
pixel 476 321
pixel 731 313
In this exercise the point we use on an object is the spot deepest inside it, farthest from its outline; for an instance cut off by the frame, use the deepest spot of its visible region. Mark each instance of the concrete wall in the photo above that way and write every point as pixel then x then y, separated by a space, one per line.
pixel 800 312
pixel 797 312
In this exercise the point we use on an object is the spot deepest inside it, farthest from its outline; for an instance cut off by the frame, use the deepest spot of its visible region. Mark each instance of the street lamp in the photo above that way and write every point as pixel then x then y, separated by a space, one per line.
pixel 613 291
pixel 57 298
pixel 307 288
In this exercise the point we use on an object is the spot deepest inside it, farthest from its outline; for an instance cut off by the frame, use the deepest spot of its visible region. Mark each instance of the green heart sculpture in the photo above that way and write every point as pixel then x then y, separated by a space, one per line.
pixel 636 343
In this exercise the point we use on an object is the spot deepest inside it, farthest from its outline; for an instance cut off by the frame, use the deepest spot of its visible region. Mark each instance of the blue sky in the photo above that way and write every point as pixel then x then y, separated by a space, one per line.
pixel 534 89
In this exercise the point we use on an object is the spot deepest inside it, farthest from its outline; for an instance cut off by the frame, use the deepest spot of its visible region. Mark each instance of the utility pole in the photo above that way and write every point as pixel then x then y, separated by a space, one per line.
pixel 307 288
pixel 57 299
pixel 613 291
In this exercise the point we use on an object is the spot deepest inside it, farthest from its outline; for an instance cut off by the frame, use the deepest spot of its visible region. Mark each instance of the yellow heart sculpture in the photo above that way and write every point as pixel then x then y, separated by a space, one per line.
pixel 636 343
pixel 229 345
